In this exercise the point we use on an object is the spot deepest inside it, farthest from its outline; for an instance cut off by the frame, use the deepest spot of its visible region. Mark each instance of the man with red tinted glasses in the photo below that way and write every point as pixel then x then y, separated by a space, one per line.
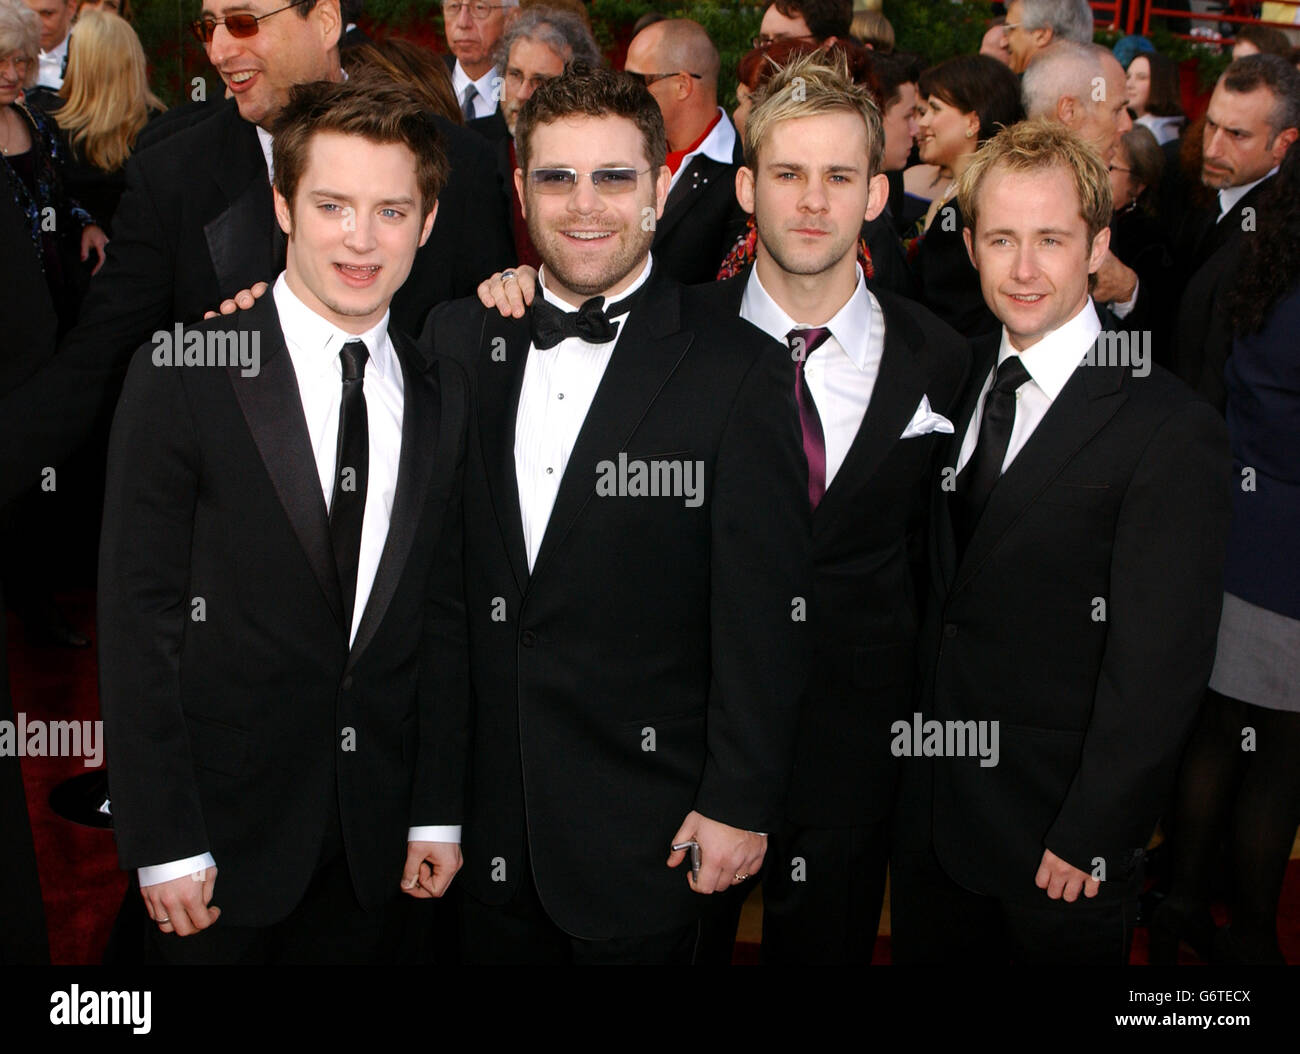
pixel 196 225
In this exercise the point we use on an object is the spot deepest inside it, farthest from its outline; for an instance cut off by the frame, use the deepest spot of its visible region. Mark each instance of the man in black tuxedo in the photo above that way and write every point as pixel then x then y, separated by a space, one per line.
pixel 636 564
pixel 1078 539
pixel 196 224
pixel 1252 120
pixel 282 627
pixel 881 373
pixel 701 220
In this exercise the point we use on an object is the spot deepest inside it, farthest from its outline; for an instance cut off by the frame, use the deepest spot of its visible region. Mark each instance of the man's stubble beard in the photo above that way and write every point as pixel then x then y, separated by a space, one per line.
pixel 549 246
pixel 775 248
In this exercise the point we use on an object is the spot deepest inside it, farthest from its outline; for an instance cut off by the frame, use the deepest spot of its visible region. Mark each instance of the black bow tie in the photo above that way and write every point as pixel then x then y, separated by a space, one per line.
pixel 591 322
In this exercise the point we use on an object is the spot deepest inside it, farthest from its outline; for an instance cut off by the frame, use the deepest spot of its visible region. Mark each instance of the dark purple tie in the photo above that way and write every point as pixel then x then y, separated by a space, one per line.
pixel 803 342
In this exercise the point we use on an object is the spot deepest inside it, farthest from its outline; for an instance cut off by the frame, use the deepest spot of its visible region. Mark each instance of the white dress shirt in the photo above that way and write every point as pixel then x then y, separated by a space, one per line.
pixel 719 144
pixel 842 371
pixel 1049 364
pixel 1165 129
pixel 50 65
pixel 555 395
pixel 488 86
pixel 1229 196
pixel 313 344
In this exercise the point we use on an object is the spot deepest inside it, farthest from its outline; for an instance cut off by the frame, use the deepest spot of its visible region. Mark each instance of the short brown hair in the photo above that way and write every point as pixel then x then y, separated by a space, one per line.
pixel 1034 145
pixel 593 91
pixel 811 84
pixel 378 112
pixel 824 18
pixel 1278 77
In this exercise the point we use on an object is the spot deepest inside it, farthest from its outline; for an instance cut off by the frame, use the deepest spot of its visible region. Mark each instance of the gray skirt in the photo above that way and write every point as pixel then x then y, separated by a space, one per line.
pixel 1258 656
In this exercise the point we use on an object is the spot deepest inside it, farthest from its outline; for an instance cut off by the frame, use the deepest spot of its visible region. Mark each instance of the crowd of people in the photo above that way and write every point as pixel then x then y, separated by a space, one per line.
pixel 628 501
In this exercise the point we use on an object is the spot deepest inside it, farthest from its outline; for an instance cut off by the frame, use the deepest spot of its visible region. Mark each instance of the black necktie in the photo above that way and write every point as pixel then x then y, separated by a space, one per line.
pixel 985 466
pixel 351 467
pixel 591 322
pixel 467 103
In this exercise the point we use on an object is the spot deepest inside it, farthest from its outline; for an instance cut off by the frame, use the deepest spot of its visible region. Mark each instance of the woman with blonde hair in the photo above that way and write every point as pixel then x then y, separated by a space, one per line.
pixel 101 109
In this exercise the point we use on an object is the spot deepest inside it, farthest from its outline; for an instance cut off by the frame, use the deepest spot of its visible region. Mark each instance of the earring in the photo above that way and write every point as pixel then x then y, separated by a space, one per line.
pixel 970 134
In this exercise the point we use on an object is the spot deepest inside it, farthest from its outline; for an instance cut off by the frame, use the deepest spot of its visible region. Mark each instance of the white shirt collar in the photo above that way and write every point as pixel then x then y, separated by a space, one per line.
pixel 1051 361
pixel 486 84
pixel 564 305
pixel 321 340
pixel 719 144
pixel 1229 196
pixel 851 325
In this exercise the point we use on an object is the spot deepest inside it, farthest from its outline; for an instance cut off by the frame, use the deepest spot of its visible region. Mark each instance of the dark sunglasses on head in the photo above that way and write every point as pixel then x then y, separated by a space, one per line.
pixel 240 25
pixel 650 78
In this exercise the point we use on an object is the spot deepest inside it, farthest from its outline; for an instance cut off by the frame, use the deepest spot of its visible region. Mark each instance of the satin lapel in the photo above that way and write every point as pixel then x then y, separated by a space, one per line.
pixel 421 418
pixel 499 381
pixel 272 407
pixel 1089 399
pixel 898 390
pixel 984 355
pixel 242 240
pixel 647 353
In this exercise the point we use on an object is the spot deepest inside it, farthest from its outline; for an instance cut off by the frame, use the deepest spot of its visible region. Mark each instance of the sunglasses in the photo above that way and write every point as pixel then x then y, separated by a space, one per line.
pixel 650 78
pixel 241 25
pixel 605 180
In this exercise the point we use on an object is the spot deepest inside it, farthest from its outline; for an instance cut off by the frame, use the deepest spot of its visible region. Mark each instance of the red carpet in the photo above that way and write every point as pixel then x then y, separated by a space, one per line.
pixel 80 880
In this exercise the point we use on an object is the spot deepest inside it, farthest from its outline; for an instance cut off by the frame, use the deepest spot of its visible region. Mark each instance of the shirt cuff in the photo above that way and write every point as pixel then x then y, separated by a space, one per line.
pixel 1122 309
pixel 434 834
pixel 152 875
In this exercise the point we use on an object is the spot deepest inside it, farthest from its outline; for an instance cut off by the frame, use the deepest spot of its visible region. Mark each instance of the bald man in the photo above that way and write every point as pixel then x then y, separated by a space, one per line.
pixel 702 219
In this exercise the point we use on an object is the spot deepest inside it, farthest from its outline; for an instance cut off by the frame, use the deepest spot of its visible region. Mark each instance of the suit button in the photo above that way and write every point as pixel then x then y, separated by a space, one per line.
pixel 949 630
pixel 528 638
pixel 347 683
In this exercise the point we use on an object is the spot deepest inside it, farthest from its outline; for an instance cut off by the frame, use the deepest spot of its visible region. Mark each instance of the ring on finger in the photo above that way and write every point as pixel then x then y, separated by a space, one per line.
pixel 507 274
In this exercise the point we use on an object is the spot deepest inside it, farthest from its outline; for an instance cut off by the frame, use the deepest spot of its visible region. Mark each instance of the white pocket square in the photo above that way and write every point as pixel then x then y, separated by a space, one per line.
pixel 925 421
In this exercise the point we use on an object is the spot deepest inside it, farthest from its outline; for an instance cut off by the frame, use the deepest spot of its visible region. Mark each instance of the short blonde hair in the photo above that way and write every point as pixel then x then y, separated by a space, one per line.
pixel 807 86
pixel 1037 144
pixel 20 35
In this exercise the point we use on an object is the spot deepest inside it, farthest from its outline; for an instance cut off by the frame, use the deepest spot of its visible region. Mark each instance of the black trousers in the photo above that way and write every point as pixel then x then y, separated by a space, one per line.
pixel 934 920
pixel 822 893
pixel 520 933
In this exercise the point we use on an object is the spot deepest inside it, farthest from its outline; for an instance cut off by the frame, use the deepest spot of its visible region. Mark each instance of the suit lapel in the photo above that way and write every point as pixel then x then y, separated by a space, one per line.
pixel 421 418
pixel 899 386
pixel 702 173
pixel 1089 399
pixel 984 355
pixel 272 407
pixel 245 239
pixel 499 381
pixel 647 353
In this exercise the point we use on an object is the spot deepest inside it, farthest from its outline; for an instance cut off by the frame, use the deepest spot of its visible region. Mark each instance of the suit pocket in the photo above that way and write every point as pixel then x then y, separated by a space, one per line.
pixel 1075 495
pixel 216 746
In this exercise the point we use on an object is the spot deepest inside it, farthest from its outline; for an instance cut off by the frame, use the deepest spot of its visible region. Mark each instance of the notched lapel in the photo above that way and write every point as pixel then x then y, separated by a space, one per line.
pixel 421 450
pixel 272 407
pixel 242 240
pixel 1089 399
pixel 900 385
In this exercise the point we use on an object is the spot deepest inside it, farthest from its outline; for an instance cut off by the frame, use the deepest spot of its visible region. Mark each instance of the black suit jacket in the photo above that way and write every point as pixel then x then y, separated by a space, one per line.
pixel 195 226
pixel 1120 497
pixel 947 282
pixel 231 733
pixel 1210 253
pixel 651 662
pixel 702 219
pixel 869 533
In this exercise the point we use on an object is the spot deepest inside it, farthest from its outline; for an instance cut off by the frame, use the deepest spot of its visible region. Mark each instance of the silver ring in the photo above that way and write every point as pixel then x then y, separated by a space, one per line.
pixel 165 918
pixel 507 274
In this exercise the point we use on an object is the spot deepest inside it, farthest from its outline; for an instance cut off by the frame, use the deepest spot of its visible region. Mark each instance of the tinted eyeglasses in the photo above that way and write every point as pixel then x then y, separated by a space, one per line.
pixel 240 25
pixel 605 180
